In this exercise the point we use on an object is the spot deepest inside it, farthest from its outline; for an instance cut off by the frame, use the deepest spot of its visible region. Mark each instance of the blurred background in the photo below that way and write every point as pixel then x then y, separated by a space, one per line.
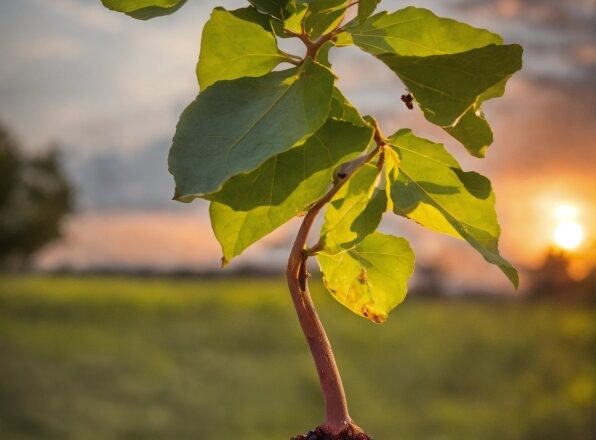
pixel 116 321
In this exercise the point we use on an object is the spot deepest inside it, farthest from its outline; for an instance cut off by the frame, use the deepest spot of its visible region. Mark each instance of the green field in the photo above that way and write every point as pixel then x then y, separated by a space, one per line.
pixel 92 358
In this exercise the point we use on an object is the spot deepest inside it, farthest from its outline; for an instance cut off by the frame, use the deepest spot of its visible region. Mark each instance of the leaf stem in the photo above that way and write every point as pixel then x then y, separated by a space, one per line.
pixel 337 417
pixel 312 47
pixel 292 59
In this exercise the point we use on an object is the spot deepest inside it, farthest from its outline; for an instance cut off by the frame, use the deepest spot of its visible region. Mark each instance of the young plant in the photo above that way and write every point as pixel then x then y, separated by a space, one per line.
pixel 270 137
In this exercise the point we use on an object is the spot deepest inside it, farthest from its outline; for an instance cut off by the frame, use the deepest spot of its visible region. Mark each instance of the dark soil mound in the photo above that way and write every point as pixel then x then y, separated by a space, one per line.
pixel 321 434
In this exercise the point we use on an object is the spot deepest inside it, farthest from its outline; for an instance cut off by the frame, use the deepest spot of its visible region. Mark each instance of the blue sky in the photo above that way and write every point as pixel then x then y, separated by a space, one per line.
pixel 109 90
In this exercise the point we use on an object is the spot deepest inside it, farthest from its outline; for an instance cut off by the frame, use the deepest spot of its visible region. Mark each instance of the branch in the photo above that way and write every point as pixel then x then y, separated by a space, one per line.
pixel 312 47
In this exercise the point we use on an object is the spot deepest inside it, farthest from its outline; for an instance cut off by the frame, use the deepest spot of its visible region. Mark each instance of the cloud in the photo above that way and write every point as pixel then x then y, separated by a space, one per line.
pixel 111 89
pixel 38 49
pixel 157 240
pixel 90 15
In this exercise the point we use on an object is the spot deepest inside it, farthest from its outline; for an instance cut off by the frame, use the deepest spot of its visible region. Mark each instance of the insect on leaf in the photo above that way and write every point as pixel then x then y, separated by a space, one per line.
pixel 419 46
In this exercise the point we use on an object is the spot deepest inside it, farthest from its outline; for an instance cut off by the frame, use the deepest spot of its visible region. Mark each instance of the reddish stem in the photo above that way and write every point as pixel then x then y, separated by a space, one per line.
pixel 337 417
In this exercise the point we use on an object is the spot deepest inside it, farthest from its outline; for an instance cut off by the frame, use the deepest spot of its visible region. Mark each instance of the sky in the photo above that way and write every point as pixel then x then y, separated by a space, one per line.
pixel 108 90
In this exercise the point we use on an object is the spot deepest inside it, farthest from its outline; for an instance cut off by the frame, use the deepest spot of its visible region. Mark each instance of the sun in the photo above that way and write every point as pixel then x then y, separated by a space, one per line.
pixel 568 234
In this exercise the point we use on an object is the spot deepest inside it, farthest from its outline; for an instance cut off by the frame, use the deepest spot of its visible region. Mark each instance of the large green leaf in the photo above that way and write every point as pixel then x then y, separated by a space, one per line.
pixel 434 191
pixel 234 126
pixel 370 278
pixel 446 86
pixel 418 32
pixel 250 206
pixel 354 212
pixel 236 44
pixel 144 9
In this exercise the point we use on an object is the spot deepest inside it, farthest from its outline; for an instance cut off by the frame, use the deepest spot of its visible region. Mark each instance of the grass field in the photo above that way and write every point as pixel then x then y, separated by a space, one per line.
pixel 91 358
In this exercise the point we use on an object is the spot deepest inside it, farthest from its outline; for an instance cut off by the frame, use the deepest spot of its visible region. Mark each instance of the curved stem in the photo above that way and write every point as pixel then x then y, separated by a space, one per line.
pixel 337 417
pixel 336 407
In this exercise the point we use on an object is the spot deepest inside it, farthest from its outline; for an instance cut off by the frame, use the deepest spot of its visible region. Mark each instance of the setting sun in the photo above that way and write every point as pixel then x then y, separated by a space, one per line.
pixel 568 234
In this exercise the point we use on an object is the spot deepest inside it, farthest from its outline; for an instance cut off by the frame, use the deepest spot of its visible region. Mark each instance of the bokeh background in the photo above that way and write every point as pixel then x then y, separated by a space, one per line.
pixel 125 327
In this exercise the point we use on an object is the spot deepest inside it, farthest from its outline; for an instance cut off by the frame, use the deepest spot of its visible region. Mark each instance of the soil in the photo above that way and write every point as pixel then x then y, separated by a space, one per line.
pixel 321 434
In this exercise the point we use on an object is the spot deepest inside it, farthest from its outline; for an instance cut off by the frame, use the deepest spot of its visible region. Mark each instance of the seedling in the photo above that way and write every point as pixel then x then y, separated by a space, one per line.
pixel 270 137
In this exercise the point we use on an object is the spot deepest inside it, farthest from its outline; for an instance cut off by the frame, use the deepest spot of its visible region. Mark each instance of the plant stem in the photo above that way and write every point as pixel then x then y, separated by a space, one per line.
pixel 337 417
pixel 336 406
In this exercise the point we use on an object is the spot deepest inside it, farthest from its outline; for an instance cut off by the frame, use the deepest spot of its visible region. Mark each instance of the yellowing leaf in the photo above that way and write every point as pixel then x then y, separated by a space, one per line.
pixel 371 278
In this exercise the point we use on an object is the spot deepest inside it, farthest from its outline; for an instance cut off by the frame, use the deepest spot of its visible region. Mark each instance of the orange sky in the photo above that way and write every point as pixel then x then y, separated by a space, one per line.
pixel 110 89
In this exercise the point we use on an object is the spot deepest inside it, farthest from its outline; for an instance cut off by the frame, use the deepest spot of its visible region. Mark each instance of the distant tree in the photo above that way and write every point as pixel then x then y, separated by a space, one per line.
pixel 553 280
pixel 35 195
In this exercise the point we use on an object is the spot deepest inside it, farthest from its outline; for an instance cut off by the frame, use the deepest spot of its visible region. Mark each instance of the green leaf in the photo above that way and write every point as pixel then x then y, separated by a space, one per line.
pixel 390 172
pixel 234 126
pixel 323 16
pixel 418 32
pixel 370 278
pixel 473 132
pixel 236 44
pixel 144 9
pixel 446 76
pixel 434 191
pixel 322 56
pixel 292 21
pixel 344 110
pixel 343 39
pixel 250 206
pixel 446 86
pixel 274 8
pixel 366 9
pixel 354 212
pixel 315 18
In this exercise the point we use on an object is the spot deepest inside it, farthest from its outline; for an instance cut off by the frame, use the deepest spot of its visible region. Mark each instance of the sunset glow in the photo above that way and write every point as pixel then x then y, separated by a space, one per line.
pixel 568 234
